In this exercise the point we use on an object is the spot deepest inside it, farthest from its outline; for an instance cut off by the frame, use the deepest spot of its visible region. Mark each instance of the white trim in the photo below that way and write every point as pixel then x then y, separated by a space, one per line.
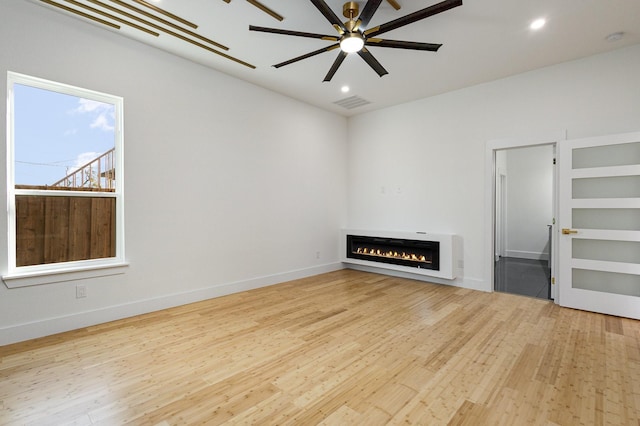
pixel 57 193
pixel 63 88
pixel 615 139
pixel 610 171
pixel 606 266
pixel 549 138
pixel 10 165
pixel 20 332
pixel 606 234
pixel 26 279
pixel 19 276
pixel 501 214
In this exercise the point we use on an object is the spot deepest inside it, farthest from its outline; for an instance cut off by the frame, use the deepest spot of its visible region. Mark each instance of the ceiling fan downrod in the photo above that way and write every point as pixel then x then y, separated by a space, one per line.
pixel 350 10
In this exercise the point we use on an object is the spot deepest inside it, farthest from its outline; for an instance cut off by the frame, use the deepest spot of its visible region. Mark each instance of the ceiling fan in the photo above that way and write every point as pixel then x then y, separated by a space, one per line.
pixel 354 37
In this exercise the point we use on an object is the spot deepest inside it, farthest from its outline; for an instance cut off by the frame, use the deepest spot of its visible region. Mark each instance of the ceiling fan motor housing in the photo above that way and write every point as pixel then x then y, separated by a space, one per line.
pixel 350 10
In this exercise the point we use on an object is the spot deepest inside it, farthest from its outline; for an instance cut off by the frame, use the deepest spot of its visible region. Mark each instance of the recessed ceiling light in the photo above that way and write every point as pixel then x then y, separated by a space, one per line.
pixel 344 89
pixel 538 23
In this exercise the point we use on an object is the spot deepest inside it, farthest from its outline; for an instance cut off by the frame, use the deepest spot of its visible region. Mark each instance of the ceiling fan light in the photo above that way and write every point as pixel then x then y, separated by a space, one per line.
pixel 351 43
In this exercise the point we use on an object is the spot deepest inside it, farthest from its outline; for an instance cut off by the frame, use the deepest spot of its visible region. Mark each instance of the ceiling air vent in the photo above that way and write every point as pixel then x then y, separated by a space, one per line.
pixel 352 102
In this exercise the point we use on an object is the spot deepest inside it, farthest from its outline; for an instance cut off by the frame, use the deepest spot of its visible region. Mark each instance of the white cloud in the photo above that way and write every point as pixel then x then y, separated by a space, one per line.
pixel 88 105
pixel 83 159
pixel 102 122
pixel 103 113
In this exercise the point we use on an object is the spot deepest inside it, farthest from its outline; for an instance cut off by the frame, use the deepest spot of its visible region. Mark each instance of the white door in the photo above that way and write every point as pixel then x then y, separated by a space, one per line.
pixel 599 218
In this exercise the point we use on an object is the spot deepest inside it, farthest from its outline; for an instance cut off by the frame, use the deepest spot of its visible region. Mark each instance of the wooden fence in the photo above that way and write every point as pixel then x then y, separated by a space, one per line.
pixel 63 229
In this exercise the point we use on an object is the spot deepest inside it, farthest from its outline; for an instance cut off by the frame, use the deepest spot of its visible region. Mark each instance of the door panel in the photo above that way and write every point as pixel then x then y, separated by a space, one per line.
pixel 606 282
pixel 606 250
pixel 599 253
pixel 607 187
pixel 605 218
pixel 617 154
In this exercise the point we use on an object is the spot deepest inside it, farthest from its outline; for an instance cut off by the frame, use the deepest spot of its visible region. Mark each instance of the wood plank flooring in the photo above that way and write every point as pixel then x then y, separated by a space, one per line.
pixel 344 348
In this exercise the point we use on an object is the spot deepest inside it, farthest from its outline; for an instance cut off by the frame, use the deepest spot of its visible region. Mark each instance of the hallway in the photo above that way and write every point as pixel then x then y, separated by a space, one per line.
pixel 523 276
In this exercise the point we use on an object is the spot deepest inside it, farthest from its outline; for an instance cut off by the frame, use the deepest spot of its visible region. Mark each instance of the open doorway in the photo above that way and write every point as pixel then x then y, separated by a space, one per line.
pixel 524 206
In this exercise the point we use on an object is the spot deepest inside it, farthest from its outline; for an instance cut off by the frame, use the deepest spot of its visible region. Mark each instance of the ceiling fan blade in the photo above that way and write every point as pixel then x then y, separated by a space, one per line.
pixel 367 12
pixel 335 66
pixel 373 62
pixel 330 15
pixel 398 44
pixel 413 17
pixel 308 55
pixel 292 33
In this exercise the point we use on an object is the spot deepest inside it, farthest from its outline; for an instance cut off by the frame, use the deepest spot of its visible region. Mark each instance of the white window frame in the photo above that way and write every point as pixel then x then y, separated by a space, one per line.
pixel 20 276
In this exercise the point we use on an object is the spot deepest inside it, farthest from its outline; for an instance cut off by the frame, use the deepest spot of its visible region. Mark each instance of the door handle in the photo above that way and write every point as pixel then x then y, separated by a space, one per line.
pixel 567 231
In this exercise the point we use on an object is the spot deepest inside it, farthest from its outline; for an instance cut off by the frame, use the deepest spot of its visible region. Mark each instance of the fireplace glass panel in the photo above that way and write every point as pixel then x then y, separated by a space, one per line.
pixel 414 253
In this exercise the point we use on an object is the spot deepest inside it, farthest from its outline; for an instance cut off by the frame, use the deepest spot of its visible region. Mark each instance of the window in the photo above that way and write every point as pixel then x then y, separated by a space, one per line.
pixel 64 177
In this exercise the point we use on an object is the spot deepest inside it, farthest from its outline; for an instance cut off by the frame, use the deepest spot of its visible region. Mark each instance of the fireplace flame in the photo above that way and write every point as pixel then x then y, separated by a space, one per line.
pixel 393 254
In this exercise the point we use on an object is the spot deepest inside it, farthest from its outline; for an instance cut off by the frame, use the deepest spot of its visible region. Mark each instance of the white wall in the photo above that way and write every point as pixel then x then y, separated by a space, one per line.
pixel 433 149
pixel 529 201
pixel 228 186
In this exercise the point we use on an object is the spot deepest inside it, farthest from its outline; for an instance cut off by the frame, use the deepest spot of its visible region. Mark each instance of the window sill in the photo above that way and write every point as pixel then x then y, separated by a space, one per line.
pixel 27 279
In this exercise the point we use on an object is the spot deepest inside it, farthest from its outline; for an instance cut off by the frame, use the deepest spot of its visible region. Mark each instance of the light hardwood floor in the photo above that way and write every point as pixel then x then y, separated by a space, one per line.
pixel 344 348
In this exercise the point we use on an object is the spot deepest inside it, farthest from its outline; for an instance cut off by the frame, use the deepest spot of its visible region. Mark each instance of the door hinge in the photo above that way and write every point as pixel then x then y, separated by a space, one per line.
pixel 553 280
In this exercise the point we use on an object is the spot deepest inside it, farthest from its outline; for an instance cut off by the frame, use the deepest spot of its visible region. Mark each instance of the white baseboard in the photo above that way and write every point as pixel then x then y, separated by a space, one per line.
pixel 462 282
pixel 527 255
pixel 49 326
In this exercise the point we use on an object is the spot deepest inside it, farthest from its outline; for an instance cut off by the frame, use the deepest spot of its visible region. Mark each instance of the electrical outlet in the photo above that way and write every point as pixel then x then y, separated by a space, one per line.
pixel 81 291
pixel 460 263
pixel 317 255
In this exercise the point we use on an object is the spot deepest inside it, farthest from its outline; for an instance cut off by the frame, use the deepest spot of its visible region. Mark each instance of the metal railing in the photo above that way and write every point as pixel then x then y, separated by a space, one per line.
pixel 99 173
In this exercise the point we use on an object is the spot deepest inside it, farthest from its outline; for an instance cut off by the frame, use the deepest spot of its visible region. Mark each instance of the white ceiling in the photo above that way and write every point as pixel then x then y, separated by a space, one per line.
pixel 483 40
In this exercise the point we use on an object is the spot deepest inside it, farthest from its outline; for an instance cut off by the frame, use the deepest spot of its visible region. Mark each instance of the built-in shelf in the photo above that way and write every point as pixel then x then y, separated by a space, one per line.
pixel 445 243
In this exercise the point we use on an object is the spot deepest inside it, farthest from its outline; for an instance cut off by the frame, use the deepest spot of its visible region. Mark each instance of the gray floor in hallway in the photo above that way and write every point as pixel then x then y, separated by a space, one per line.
pixel 522 276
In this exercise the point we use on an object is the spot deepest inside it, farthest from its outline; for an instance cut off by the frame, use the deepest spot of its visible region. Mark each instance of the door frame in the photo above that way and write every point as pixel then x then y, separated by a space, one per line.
pixel 548 138
pixel 501 214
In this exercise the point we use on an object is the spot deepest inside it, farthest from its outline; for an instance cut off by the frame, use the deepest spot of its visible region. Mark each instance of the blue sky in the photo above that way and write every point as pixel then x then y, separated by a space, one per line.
pixel 56 133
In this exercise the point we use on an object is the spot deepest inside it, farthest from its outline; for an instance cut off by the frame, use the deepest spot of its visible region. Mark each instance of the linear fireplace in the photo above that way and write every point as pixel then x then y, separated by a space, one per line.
pixel 397 251
pixel 417 253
